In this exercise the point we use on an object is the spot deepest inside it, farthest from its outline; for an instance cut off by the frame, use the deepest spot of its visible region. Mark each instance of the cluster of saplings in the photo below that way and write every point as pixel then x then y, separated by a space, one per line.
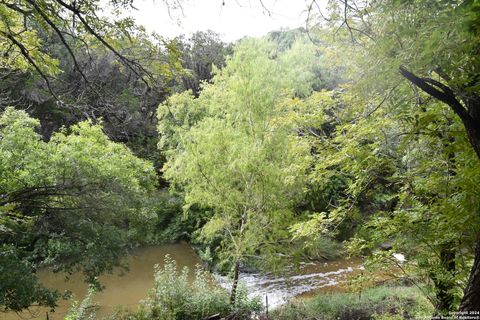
pixel 362 129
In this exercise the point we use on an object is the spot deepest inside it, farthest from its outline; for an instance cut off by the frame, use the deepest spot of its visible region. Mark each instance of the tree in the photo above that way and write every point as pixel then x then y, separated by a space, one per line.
pixel 126 106
pixel 58 58
pixel 70 204
pixel 296 40
pixel 406 180
pixel 232 152
pixel 77 23
pixel 198 54
pixel 433 45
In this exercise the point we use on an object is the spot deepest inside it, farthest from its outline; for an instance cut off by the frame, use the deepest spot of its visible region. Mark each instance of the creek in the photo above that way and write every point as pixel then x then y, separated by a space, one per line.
pixel 129 288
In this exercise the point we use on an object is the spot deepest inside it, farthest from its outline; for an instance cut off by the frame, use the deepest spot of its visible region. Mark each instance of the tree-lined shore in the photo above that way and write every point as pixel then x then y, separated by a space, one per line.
pixel 358 135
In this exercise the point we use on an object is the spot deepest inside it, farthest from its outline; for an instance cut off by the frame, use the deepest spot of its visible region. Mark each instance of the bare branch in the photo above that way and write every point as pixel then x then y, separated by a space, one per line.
pixel 127 62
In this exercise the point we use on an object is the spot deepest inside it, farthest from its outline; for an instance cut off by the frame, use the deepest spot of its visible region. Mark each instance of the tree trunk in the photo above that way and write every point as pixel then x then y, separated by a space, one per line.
pixel 443 287
pixel 236 270
pixel 474 138
pixel 469 113
pixel 233 294
pixel 471 295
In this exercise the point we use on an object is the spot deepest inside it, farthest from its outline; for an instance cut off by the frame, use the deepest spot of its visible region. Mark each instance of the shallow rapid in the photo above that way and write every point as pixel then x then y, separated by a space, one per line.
pixel 299 281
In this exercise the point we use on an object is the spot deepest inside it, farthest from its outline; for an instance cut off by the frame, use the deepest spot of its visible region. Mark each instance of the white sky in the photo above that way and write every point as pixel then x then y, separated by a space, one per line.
pixel 233 20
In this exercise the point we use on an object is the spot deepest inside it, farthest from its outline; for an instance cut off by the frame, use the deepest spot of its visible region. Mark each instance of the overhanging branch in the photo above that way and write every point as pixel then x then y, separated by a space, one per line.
pixel 60 35
pixel 439 91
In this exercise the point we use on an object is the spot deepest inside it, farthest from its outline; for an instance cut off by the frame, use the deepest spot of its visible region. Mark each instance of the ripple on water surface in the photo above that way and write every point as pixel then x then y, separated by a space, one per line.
pixel 309 277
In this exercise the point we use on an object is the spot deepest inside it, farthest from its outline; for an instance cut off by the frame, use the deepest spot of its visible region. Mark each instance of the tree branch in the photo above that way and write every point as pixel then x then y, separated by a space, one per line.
pixel 445 94
pixel 26 55
pixel 60 35
pixel 127 62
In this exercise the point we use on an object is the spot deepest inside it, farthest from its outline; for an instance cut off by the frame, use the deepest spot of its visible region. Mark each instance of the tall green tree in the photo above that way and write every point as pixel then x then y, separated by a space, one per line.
pixel 234 154
pixel 199 53
pixel 410 52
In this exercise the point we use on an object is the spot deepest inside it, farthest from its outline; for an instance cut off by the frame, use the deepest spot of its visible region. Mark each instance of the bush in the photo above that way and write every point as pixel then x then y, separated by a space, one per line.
pixel 87 310
pixel 374 303
pixel 172 223
pixel 174 298
pixel 322 248
pixel 245 307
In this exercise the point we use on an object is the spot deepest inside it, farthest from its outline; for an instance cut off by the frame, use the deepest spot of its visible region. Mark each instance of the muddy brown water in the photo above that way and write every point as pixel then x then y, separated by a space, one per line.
pixel 128 289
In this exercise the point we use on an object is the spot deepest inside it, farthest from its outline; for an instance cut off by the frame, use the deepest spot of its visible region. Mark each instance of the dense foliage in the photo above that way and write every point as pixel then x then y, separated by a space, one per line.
pixel 387 157
pixel 230 151
pixel 363 128
pixel 407 138
pixel 73 203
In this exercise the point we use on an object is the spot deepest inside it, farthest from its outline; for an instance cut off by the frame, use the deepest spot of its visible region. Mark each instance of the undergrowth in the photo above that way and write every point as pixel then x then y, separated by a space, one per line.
pixel 380 303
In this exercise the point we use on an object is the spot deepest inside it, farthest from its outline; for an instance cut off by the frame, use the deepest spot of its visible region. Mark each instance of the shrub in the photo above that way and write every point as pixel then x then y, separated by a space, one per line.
pixel 174 298
pixel 87 310
pixel 374 303
pixel 245 307
pixel 322 248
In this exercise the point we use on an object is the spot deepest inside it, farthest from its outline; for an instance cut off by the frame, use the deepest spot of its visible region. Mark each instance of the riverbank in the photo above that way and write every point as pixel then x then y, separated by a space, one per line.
pixel 379 303
pixel 303 291
pixel 174 299
pixel 127 289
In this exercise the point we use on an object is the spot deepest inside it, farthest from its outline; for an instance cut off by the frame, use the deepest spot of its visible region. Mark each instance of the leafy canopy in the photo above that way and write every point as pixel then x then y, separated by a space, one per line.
pixel 231 151
pixel 66 204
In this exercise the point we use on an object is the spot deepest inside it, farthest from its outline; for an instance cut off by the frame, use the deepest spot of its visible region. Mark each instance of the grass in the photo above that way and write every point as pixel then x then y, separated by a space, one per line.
pixel 380 303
